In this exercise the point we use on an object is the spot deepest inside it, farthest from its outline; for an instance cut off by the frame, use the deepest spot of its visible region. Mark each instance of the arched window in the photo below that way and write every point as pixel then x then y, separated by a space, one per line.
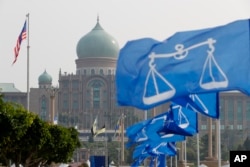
pixel 101 72
pixel 44 110
pixel 96 94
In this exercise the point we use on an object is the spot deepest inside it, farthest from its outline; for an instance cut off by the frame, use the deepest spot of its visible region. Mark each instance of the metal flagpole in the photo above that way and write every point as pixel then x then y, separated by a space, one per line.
pixel 185 147
pixel 122 139
pixel 28 48
pixel 198 149
pixel 145 118
pixel 106 149
pixel 198 143
pixel 219 143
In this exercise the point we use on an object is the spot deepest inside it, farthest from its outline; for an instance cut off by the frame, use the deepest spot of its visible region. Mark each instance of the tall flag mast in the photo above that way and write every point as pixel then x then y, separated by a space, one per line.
pixel 28 48
pixel 24 35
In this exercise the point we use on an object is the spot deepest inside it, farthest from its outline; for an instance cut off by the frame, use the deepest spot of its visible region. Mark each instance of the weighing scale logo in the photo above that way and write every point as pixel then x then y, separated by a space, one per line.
pixel 211 70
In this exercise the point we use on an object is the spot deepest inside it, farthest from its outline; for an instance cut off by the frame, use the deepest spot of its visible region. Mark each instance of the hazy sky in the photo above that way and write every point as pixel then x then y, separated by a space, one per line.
pixel 57 25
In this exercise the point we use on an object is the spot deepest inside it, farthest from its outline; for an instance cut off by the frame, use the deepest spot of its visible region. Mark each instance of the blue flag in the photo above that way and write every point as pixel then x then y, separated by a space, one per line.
pixel 146 129
pixel 154 149
pixel 204 103
pixel 178 120
pixel 151 130
pixel 150 72
pixel 181 121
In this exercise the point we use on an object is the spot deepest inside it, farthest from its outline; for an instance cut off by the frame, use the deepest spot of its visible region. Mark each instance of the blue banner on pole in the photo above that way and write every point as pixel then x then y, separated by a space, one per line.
pixel 215 59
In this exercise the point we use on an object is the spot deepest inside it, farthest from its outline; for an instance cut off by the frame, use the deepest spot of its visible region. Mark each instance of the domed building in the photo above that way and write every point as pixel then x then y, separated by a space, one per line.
pixel 44 80
pixel 90 92
pixel 40 98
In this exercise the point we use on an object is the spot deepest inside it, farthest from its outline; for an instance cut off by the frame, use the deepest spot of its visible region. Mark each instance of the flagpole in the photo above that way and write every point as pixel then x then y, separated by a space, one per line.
pixel 122 139
pixel 28 48
pixel 198 149
pixel 219 143
pixel 198 144
pixel 106 150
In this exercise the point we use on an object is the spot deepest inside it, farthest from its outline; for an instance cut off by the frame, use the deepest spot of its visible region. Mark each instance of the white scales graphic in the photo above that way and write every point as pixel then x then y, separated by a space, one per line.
pixel 209 64
pixel 142 136
pixel 183 120
pixel 196 99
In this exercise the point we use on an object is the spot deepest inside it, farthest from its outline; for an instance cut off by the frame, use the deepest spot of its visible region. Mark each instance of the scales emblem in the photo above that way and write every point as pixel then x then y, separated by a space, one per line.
pixel 217 78
pixel 197 100
pixel 142 135
pixel 183 121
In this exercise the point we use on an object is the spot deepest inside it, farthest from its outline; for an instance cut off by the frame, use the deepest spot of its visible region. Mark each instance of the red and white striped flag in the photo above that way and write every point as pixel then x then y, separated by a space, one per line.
pixel 22 36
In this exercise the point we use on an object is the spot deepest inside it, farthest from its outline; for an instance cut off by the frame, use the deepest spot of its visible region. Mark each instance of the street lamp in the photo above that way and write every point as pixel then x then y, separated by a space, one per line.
pixel 52 92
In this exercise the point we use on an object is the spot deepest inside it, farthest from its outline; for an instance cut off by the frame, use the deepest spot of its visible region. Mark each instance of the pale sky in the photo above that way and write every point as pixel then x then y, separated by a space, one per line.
pixel 57 25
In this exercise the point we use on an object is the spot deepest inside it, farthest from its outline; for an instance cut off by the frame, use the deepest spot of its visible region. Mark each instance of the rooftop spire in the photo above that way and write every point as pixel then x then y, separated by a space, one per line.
pixel 97 18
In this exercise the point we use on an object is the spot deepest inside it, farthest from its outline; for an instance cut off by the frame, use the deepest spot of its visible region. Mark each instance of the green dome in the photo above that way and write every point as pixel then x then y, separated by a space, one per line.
pixel 97 43
pixel 45 78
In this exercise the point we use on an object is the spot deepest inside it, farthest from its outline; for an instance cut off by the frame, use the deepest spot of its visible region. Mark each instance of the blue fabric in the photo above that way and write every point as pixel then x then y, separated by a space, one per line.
pixel 178 120
pixel 181 121
pixel 161 161
pixel 151 148
pixel 204 103
pixel 151 72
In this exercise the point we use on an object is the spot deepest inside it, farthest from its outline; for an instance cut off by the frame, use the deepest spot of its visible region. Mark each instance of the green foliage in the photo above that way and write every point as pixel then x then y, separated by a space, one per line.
pixel 26 139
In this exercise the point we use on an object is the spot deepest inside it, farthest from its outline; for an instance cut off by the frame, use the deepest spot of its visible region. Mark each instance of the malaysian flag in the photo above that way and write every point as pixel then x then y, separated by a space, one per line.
pixel 23 35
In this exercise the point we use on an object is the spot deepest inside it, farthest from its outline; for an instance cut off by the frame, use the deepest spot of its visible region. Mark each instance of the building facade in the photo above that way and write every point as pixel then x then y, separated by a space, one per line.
pixel 90 92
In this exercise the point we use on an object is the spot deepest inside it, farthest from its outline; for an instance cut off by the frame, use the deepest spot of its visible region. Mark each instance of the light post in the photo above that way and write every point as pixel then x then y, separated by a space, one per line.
pixel 52 92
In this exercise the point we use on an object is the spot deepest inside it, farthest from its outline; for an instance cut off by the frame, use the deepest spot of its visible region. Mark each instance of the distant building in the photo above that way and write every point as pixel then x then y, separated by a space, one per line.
pixel 12 94
pixel 40 97
pixel 91 92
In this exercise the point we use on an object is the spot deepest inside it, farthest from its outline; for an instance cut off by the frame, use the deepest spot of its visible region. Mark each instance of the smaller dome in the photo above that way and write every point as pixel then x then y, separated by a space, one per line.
pixel 45 78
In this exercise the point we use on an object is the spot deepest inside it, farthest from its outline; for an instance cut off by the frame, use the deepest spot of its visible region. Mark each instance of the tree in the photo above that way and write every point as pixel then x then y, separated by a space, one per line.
pixel 61 144
pixel 26 139
pixel 14 123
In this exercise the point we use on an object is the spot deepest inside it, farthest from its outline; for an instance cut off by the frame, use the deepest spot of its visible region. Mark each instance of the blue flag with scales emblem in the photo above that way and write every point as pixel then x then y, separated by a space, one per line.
pixel 155 129
pixel 205 103
pixel 150 72
pixel 154 150
pixel 181 121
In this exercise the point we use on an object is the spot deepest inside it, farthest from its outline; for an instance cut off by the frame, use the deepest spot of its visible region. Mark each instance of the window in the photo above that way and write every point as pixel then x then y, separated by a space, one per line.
pixel 248 110
pixel 239 127
pixel 75 104
pixel 231 127
pixel 101 72
pixel 65 84
pixel 230 110
pixel 203 127
pixel 43 112
pixel 65 104
pixel 213 127
pixel 95 88
pixel 239 110
pixel 222 127
pixel 75 84
pixel 222 109
pixel 109 72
